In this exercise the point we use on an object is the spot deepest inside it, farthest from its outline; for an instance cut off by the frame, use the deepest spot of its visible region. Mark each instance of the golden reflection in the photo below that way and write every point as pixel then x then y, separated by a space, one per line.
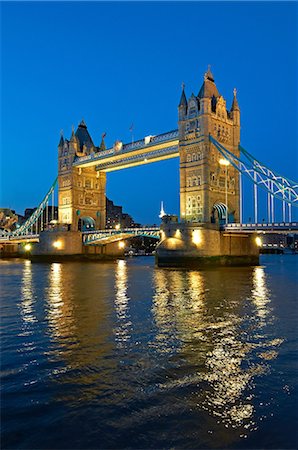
pixel 122 331
pixel 27 294
pixel 200 316
pixel 78 316
pixel 60 308
pixel 260 294
pixel 178 304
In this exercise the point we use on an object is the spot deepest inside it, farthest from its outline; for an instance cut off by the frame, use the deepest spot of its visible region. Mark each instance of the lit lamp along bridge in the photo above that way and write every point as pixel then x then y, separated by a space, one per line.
pixel 157 148
pixel 212 169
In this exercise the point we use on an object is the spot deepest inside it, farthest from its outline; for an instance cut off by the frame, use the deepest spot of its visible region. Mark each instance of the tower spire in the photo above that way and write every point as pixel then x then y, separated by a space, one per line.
pixel 102 144
pixel 162 211
pixel 183 101
pixel 235 105
pixel 61 142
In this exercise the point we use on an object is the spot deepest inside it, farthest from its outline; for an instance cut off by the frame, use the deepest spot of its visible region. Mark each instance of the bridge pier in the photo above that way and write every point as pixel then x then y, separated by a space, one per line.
pixel 68 245
pixel 200 245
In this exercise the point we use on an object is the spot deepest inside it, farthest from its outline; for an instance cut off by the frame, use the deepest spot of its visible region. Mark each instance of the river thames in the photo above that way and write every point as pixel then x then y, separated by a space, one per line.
pixel 126 355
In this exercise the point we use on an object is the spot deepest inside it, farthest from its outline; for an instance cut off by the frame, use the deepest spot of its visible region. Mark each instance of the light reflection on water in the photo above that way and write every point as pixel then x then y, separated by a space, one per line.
pixel 27 295
pixel 122 330
pixel 130 346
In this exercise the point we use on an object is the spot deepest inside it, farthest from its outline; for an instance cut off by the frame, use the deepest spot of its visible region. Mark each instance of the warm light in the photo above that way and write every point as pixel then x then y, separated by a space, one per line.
pixel 259 241
pixel 121 244
pixel 117 227
pixel 178 234
pixel 224 162
pixel 27 247
pixel 196 237
pixel 57 245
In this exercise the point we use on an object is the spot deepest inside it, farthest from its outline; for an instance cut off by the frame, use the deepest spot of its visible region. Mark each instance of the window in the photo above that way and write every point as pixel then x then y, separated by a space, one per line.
pixel 188 158
pixel 221 182
pixel 88 183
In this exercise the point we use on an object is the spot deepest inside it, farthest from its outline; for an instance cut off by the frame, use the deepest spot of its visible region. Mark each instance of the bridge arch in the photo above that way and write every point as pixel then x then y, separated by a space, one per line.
pixel 86 223
pixel 218 212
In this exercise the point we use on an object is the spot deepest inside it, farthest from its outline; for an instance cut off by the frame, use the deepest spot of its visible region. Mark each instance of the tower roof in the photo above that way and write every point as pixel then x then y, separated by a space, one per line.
pixel 235 101
pixel 83 135
pixel 61 142
pixel 208 88
pixel 183 100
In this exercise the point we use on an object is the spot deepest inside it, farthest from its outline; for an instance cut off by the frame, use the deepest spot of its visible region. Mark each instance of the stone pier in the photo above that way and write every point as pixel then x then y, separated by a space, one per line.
pixel 199 245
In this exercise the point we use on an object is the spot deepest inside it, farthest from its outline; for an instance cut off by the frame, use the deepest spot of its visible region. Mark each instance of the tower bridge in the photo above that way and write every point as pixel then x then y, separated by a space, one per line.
pixel 212 164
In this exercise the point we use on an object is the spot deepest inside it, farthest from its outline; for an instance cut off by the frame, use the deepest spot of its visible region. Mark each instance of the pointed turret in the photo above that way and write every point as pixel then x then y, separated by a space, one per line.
pixel 183 101
pixel 83 136
pixel 73 137
pixel 102 146
pixel 208 88
pixel 235 106
pixel 182 107
pixel 61 142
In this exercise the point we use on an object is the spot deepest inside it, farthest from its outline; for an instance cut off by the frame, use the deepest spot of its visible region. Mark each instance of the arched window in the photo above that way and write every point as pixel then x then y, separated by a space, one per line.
pixel 188 158
pixel 193 156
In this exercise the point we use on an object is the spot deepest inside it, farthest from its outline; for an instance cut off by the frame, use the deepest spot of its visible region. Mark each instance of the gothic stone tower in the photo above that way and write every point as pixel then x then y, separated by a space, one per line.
pixel 202 178
pixel 81 197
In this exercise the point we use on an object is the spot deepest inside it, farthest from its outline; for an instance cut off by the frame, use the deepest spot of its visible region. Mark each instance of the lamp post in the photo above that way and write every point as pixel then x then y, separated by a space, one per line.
pixel 225 162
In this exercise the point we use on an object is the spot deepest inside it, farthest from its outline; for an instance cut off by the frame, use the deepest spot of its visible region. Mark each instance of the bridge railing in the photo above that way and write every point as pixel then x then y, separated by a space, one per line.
pixel 129 147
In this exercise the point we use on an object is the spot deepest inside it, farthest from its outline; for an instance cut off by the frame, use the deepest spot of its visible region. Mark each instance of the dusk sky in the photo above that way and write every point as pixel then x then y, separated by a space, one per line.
pixel 115 64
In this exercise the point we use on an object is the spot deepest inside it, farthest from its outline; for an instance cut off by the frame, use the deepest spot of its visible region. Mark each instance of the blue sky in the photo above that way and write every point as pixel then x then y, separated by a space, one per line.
pixel 114 64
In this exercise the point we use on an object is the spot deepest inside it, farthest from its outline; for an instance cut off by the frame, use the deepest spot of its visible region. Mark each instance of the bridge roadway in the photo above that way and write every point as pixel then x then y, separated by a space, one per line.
pixel 101 237
pixel 121 156
pixel 269 228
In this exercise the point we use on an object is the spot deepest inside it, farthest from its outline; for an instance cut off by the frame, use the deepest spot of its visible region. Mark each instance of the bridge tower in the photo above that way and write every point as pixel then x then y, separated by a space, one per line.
pixel 81 197
pixel 204 183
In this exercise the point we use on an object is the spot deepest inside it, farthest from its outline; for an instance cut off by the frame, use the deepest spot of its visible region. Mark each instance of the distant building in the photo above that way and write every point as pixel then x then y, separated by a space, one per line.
pixel 8 219
pixel 115 216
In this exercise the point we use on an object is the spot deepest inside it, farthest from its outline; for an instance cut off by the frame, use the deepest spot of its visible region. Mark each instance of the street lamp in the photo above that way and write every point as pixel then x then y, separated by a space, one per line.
pixel 225 162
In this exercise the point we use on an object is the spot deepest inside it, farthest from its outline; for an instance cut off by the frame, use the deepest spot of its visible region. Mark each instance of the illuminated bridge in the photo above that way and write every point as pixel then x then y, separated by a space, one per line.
pixel 214 171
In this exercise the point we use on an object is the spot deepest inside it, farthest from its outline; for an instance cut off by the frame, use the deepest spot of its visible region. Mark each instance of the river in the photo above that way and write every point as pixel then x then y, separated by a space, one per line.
pixel 126 355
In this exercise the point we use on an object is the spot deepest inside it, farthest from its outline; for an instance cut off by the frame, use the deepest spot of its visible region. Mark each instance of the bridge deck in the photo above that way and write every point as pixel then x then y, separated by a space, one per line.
pixel 147 150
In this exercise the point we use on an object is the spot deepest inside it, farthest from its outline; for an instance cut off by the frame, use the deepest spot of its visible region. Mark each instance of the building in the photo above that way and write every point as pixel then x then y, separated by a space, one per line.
pixel 8 219
pixel 205 185
pixel 81 199
pixel 115 216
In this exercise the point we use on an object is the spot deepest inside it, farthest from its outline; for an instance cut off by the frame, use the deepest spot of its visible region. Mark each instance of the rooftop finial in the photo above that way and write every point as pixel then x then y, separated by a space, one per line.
pixel 208 75
pixel 235 101
pixel 72 129
pixel 61 133
pixel 162 211
pixel 182 85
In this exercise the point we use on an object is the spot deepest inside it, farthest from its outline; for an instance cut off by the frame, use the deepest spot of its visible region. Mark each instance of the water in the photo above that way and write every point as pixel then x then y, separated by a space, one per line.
pixel 126 355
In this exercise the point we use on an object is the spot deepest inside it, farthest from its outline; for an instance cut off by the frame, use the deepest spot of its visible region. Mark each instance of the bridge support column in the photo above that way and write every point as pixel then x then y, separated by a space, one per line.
pixel 194 245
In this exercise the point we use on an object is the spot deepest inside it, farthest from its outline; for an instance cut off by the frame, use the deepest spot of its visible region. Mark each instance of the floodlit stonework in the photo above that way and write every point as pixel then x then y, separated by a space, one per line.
pixel 81 190
pixel 202 178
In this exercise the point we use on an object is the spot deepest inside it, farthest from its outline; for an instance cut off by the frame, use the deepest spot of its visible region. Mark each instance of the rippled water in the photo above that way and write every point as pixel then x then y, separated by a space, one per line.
pixel 126 355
